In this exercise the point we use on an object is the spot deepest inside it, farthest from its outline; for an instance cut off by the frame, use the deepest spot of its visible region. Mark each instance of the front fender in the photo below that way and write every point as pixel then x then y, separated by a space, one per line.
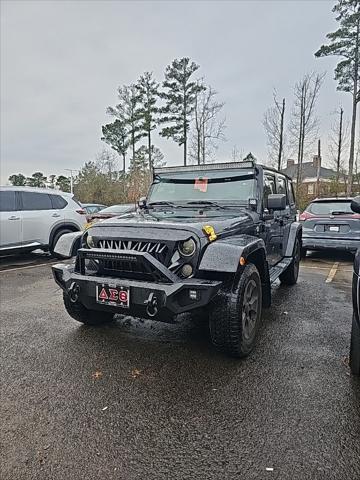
pixel 224 255
pixel 68 244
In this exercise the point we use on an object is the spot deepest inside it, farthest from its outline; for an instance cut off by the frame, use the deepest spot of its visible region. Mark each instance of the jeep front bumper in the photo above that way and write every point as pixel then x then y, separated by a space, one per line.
pixel 157 300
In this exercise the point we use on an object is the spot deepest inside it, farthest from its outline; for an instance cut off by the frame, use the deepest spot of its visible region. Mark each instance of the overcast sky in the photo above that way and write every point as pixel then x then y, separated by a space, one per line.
pixel 62 61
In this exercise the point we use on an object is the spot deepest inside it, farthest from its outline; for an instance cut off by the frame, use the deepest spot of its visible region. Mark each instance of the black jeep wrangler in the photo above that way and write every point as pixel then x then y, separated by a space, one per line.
pixel 208 239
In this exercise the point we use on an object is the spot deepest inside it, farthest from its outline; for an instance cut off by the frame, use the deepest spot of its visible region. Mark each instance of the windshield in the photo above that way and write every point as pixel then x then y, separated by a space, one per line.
pixel 117 209
pixel 327 208
pixel 221 186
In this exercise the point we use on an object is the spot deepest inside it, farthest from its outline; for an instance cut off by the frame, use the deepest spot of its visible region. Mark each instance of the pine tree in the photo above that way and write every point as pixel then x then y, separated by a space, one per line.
pixel 37 179
pixel 18 180
pixel 129 113
pixel 180 96
pixel 63 183
pixel 345 42
pixel 116 135
pixel 148 90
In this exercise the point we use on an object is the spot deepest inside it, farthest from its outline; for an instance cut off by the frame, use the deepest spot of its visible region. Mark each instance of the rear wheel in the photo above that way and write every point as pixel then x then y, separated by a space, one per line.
pixel 290 276
pixel 355 348
pixel 57 235
pixel 83 315
pixel 235 317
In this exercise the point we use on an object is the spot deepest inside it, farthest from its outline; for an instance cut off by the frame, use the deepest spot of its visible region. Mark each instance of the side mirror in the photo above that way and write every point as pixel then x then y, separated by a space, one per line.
pixel 355 205
pixel 276 201
pixel 142 202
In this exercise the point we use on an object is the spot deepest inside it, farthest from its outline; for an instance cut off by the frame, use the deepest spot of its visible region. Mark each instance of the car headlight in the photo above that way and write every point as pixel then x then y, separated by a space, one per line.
pixel 187 248
pixel 90 241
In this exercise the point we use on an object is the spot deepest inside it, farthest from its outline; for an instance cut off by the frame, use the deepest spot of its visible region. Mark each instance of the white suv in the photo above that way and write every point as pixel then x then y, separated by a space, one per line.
pixel 32 218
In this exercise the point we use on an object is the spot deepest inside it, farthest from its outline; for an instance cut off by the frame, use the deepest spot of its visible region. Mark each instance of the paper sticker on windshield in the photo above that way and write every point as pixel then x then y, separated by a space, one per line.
pixel 201 184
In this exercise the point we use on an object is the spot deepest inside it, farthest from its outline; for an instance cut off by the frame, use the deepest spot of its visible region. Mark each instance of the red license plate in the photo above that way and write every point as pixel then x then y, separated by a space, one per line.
pixel 113 295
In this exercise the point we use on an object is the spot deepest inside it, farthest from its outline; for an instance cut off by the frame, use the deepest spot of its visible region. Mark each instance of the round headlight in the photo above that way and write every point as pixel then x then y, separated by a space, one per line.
pixel 187 248
pixel 186 270
pixel 90 241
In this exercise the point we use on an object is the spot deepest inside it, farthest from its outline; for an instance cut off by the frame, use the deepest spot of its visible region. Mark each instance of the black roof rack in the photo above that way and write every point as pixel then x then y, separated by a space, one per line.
pixel 214 166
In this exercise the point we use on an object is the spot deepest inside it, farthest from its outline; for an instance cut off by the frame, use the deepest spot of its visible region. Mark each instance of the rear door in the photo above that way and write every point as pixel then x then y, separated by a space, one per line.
pixel 287 216
pixel 39 216
pixel 10 220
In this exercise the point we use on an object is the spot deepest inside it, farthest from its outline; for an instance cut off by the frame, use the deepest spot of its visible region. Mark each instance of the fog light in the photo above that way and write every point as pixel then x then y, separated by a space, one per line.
pixel 187 248
pixel 186 270
pixel 193 294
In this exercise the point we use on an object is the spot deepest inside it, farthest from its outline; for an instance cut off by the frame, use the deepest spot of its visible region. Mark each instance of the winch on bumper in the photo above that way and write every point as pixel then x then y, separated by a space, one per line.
pixel 162 298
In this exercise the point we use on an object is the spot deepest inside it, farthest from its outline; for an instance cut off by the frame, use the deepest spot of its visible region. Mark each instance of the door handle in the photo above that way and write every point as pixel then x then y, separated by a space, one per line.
pixel 14 217
pixel 56 215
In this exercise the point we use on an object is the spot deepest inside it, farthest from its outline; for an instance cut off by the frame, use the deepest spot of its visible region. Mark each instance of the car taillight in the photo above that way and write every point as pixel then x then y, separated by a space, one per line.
pixel 305 216
pixel 81 211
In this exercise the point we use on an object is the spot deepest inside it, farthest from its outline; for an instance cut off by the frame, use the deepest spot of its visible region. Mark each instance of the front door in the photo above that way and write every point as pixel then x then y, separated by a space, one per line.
pixel 272 224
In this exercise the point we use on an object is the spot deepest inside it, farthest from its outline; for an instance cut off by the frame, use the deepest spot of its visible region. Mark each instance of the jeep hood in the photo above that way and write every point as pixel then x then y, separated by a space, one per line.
pixel 145 226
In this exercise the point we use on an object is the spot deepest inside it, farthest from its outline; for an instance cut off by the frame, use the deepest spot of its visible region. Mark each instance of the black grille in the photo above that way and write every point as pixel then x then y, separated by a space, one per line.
pixel 128 269
pixel 156 249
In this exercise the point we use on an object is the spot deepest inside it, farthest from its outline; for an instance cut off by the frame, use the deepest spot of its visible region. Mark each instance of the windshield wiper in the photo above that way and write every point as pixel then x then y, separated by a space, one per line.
pixel 163 202
pixel 209 203
pixel 339 212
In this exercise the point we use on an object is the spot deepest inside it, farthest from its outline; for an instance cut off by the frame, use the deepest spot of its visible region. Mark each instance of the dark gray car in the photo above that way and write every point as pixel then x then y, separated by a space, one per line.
pixel 329 223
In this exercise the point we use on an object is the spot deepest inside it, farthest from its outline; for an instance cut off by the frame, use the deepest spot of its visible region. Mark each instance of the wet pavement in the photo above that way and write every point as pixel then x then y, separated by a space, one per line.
pixel 139 400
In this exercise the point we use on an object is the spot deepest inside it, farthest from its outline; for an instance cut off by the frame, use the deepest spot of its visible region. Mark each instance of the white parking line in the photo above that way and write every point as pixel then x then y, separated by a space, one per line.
pixel 332 272
pixel 323 268
pixel 28 266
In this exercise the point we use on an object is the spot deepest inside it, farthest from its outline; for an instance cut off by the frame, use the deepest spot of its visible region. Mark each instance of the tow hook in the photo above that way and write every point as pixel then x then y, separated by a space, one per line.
pixel 74 291
pixel 151 305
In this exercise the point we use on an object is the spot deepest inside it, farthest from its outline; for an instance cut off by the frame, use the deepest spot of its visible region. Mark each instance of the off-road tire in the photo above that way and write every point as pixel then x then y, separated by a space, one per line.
pixel 57 235
pixel 226 320
pixel 355 348
pixel 303 252
pixel 291 274
pixel 83 315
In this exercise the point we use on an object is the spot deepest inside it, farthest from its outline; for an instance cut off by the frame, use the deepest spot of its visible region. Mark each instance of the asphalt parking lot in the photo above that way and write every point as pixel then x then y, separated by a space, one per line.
pixel 139 400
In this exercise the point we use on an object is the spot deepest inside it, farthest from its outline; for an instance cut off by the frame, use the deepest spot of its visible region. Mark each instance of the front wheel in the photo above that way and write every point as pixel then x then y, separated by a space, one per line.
pixel 83 315
pixel 355 347
pixel 235 317
pixel 291 274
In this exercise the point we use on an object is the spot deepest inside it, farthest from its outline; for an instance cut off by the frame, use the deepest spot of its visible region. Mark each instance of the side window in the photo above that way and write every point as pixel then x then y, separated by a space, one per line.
pixel 7 201
pixel 281 187
pixel 58 202
pixel 35 201
pixel 291 195
pixel 269 186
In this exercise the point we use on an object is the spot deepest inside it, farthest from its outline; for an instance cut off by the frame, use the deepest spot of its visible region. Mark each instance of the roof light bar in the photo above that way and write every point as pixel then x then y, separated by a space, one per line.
pixel 211 166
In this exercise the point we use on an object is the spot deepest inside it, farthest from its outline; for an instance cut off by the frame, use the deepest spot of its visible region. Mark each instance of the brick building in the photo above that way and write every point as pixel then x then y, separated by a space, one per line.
pixel 309 177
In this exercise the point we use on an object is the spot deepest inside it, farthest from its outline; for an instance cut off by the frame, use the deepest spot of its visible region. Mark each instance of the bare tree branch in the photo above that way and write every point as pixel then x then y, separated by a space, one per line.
pixel 208 129
pixel 273 123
